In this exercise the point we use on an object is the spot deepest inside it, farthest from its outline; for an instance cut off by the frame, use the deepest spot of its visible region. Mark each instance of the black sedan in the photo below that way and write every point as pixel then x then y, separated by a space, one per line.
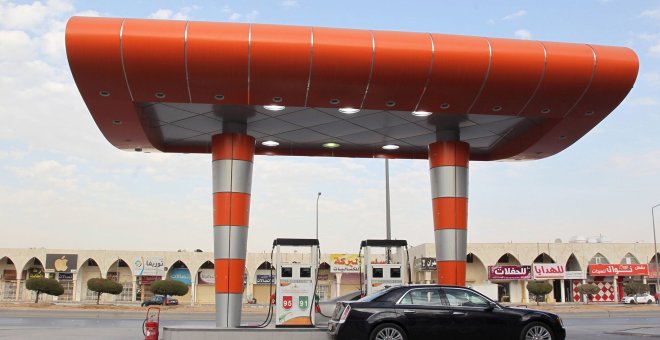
pixel 160 300
pixel 439 312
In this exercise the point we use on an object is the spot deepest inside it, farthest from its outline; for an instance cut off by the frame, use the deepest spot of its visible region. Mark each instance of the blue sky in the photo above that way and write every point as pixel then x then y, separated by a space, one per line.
pixel 63 185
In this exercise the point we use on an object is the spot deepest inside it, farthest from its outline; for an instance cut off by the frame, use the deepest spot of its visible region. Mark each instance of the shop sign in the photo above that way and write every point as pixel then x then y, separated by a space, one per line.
pixel 181 275
pixel 509 272
pixel 652 271
pixel 8 274
pixel 425 264
pixel 35 273
pixel 149 266
pixel 147 280
pixel 548 271
pixel 344 263
pixel 265 279
pixel 206 276
pixel 61 263
pixel 618 270
pixel 65 276
pixel 574 275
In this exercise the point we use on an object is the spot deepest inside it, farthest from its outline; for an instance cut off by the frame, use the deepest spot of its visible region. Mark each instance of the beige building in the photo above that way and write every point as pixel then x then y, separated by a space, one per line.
pixel 135 270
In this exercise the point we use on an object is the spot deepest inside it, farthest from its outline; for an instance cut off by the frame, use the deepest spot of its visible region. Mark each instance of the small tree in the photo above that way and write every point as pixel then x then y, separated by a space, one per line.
pixel 101 286
pixel 539 289
pixel 44 285
pixel 635 288
pixel 589 289
pixel 169 287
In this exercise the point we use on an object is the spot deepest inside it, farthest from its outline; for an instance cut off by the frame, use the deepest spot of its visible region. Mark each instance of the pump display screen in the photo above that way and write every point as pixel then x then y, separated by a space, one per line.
pixel 305 272
pixel 377 272
pixel 287 272
pixel 395 272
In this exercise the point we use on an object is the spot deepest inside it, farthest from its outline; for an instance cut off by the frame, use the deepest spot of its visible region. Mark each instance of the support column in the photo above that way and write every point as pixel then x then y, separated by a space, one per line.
pixel 449 185
pixel 233 155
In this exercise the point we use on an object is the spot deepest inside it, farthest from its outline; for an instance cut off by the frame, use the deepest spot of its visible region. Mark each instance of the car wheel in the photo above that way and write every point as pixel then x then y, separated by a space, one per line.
pixel 536 331
pixel 388 331
pixel 649 301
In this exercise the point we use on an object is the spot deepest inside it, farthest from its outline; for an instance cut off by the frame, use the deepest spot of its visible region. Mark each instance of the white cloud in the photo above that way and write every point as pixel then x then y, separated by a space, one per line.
pixel 655 50
pixel 523 34
pixel 643 101
pixel 29 16
pixel 16 46
pixel 246 17
pixel 168 14
pixel 515 15
pixel 290 3
pixel 651 13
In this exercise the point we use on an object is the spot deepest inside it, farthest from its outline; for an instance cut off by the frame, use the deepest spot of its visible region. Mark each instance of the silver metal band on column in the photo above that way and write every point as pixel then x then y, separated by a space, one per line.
pixel 450 244
pixel 230 242
pixel 225 305
pixel 449 181
pixel 232 175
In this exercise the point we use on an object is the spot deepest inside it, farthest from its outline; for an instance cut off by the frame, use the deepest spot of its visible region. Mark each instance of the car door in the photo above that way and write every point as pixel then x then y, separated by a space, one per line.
pixel 423 313
pixel 473 317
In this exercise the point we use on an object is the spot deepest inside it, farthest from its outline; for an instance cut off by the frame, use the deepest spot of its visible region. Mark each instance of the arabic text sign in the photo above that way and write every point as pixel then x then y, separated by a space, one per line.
pixel 618 270
pixel 265 279
pixel 181 275
pixel 509 272
pixel 149 266
pixel 206 276
pixel 574 275
pixel 548 270
pixel 341 263
pixel 425 263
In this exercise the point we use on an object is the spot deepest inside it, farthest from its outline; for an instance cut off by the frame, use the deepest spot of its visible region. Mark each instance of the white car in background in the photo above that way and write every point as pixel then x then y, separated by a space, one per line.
pixel 640 298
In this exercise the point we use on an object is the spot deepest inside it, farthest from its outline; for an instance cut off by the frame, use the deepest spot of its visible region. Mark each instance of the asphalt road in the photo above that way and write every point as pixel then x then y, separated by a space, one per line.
pixel 33 324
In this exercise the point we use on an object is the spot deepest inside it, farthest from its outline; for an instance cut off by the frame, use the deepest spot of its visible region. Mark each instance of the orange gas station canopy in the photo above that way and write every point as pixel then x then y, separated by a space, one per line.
pixel 170 85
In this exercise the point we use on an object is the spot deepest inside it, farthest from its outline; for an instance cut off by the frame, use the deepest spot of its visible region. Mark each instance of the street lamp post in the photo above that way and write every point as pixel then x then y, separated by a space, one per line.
pixel 655 247
pixel 317 215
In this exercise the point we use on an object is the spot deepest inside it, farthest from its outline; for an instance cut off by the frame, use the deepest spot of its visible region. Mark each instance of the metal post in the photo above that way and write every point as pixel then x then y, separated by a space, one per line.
pixel 388 224
pixel 317 215
pixel 655 246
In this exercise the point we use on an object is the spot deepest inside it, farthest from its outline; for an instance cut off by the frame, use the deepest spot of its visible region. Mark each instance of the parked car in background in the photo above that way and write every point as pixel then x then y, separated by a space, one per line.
pixel 160 300
pixel 639 298
pixel 439 312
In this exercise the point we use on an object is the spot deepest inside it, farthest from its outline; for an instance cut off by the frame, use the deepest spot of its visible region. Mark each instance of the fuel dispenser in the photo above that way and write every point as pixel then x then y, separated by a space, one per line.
pixel 393 272
pixel 296 285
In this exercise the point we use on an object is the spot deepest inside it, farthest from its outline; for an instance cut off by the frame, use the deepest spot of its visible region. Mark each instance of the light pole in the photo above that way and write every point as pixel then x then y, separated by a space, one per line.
pixel 317 215
pixel 655 247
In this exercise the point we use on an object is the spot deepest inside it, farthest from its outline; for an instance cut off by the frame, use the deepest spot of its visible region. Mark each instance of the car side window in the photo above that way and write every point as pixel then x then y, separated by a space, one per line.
pixel 463 297
pixel 427 297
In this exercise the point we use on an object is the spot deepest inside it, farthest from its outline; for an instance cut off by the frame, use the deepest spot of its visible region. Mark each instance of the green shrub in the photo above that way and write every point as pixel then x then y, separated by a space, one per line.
pixel 101 286
pixel 169 287
pixel 635 288
pixel 44 285
pixel 589 289
pixel 539 289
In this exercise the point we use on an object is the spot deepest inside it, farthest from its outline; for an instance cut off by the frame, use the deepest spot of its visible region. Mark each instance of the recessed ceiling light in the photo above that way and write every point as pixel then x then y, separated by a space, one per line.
pixel 390 147
pixel 390 103
pixel 497 108
pixel 159 95
pixel 562 137
pixel 138 149
pixel 349 110
pixel 331 145
pixel 444 106
pixel 277 99
pixel 219 97
pixel 274 107
pixel 270 143
pixel 334 101
pixel 546 110
pixel 589 113
pixel 104 93
pixel 421 113
pixel 116 122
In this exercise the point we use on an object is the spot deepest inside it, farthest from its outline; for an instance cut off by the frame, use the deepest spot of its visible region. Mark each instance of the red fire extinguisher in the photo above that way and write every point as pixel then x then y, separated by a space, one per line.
pixel 151 324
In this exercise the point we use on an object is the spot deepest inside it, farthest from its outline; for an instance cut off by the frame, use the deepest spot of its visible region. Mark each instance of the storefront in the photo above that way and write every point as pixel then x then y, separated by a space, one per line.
pixel 511 281
pixel 611 278
pixel 346 271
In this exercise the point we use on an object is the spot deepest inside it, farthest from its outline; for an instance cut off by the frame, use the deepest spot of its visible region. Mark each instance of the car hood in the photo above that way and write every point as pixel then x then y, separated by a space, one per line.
pixel 527 311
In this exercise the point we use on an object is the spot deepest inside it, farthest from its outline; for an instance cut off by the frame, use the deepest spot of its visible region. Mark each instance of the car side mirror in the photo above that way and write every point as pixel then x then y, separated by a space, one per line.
pixel 491 306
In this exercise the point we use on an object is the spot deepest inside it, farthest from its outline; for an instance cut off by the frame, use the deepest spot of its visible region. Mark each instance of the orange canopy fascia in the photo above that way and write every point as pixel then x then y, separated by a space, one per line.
pixel 171 85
